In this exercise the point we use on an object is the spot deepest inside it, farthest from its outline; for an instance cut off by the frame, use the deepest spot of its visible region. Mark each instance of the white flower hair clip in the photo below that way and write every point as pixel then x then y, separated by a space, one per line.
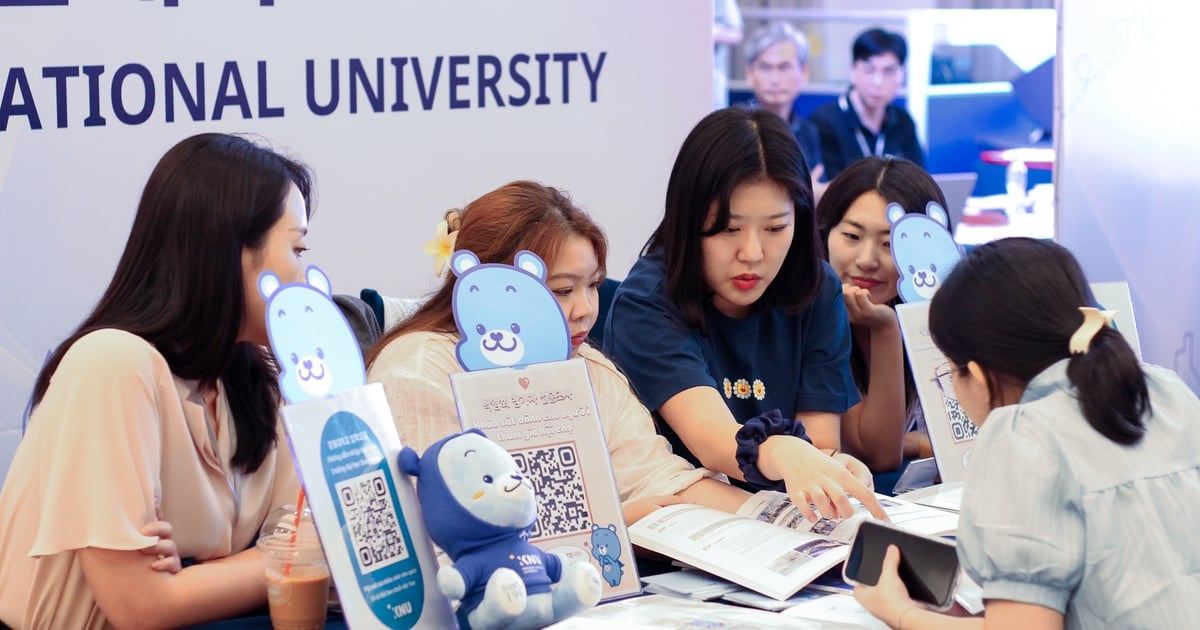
pixel 441 247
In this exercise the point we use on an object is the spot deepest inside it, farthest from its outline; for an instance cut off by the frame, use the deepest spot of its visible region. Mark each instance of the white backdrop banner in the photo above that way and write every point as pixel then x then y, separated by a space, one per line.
pixel 404 108
pixel 1128 195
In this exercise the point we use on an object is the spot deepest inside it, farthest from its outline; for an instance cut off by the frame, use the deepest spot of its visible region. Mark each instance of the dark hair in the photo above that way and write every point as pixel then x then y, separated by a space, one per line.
pixel 726 149
pixel 877 41
pixel 520 215
pixel 179 282
pixel 1012 305
pixel 896 180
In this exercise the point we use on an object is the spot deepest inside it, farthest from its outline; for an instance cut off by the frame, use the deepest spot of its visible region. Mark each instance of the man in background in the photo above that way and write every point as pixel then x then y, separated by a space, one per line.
pixel 863 121
pixel 776 71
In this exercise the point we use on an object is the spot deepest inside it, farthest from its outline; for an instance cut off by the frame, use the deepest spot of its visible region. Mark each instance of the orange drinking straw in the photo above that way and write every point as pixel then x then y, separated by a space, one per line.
pixel 287 566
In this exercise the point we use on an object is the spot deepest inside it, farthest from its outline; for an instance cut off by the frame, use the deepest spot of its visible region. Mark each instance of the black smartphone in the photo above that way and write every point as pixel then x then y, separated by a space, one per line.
pixel 928 566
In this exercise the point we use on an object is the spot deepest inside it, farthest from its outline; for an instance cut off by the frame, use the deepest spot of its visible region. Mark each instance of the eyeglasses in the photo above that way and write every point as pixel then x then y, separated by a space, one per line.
pixel 943 376
pixel 946 371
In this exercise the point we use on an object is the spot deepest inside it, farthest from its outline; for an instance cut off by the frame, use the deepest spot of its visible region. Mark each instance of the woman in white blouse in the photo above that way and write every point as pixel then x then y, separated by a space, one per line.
pixel 414 360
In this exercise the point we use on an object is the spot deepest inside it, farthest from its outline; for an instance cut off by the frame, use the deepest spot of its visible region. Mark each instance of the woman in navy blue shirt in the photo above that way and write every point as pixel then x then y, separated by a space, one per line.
pixel 732 328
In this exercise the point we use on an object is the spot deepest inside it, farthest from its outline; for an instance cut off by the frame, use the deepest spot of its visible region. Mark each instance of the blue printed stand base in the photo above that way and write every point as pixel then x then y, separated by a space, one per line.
pixel 379 553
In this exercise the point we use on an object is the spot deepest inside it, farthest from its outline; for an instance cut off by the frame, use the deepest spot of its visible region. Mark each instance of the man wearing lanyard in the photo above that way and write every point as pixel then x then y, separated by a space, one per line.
pixel 863 121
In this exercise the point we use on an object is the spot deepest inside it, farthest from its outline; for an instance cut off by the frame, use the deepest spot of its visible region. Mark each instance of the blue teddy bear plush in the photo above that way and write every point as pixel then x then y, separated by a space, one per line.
pixel 478 508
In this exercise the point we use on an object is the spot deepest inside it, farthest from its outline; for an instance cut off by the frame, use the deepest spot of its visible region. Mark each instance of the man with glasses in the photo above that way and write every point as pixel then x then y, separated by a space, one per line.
pixel 863 121
pixel 776 70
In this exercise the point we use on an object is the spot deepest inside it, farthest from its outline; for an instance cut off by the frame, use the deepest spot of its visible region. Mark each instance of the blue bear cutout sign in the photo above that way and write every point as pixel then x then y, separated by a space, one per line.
pixel 341 433
pixel 923 249
pixel 506 314
pixel 316 350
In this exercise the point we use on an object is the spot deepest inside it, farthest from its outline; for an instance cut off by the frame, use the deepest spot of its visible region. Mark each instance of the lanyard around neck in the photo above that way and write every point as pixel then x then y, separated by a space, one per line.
pixel 844 101
pixel 862 143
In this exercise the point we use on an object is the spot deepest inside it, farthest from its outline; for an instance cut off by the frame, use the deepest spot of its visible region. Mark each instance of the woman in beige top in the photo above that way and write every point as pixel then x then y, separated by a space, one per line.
pixel 413 361
pixel 154 434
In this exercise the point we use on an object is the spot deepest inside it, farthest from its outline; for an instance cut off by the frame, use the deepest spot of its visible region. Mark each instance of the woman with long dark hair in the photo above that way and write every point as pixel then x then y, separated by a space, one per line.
pixel 154 434
pixel 856 235
pixel 731 326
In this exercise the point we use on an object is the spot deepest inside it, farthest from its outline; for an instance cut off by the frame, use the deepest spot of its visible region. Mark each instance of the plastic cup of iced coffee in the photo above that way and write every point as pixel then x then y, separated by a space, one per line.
pixel 297 576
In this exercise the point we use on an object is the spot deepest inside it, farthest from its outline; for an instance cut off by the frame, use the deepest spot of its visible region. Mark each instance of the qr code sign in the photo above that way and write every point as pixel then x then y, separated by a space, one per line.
pixel 558 482
pixel 371 521
pixel 960 425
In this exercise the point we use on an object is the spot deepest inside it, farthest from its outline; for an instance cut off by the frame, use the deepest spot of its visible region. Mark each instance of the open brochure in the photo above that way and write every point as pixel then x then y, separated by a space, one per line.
pixel 777 508
pixel 768 546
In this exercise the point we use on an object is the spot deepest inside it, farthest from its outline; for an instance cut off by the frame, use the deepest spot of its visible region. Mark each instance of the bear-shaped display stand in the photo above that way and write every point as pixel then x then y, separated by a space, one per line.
pixel 344 442
pixel 923 249
pixel 313 345
pixel 479 506
pixel 522 387
pixel 505 314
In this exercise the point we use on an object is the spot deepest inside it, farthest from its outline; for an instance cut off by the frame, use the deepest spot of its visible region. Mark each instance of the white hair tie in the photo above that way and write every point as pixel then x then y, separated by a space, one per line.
pixel 1093 320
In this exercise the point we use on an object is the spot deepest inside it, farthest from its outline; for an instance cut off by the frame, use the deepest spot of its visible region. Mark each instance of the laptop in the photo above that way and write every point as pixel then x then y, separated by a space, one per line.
pixel 956 188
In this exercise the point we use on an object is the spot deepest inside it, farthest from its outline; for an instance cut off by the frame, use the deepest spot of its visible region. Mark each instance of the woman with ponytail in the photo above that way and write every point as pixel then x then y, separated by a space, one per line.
pixel 1084 489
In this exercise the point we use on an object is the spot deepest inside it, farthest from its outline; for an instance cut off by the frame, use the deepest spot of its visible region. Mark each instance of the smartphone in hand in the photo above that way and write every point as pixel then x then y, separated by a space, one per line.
pixel 928 566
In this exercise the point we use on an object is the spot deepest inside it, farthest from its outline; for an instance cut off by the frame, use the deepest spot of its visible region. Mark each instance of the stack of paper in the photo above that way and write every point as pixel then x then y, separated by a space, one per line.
pixel 696 585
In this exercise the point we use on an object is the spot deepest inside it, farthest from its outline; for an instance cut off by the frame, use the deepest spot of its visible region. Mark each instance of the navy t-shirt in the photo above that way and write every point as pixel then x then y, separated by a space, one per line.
pixel 844 139
pixel 769 360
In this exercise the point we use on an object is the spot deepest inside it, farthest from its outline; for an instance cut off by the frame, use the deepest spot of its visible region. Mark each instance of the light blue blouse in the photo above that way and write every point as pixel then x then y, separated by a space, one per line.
pixel 1057 515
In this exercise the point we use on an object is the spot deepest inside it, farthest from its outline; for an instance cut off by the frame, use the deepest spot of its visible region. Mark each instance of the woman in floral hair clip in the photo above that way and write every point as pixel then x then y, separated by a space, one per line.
pixel 414 360
pixel 1083 495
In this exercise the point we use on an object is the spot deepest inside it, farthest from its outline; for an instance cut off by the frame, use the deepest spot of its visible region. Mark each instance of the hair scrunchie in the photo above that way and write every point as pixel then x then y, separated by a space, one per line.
pixel 752 434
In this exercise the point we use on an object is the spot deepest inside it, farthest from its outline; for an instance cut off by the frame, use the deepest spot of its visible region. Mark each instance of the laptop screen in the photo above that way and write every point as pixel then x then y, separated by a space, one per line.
pixel 956 188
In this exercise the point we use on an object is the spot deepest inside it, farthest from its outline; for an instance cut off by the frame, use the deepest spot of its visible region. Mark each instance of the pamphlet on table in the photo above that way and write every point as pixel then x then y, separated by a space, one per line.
pixel 768 546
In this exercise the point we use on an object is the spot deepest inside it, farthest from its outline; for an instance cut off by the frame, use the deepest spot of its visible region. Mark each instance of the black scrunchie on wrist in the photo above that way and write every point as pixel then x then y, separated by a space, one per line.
pixel 753 432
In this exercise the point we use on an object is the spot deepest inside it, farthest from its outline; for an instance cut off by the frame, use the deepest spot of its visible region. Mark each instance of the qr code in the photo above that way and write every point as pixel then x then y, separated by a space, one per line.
pixel 960 425
pixel 371 521
pixel 558 482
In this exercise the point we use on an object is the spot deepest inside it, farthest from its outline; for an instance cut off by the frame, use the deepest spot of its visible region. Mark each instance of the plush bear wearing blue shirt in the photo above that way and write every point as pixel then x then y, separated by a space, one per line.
pixel 478 507
pixel 923 249
pixel 505 313
pixel 313 345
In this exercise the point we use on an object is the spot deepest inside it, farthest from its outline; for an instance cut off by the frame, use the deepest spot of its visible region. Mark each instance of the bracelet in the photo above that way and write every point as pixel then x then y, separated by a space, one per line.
pixel 900 621
pixel 752 434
